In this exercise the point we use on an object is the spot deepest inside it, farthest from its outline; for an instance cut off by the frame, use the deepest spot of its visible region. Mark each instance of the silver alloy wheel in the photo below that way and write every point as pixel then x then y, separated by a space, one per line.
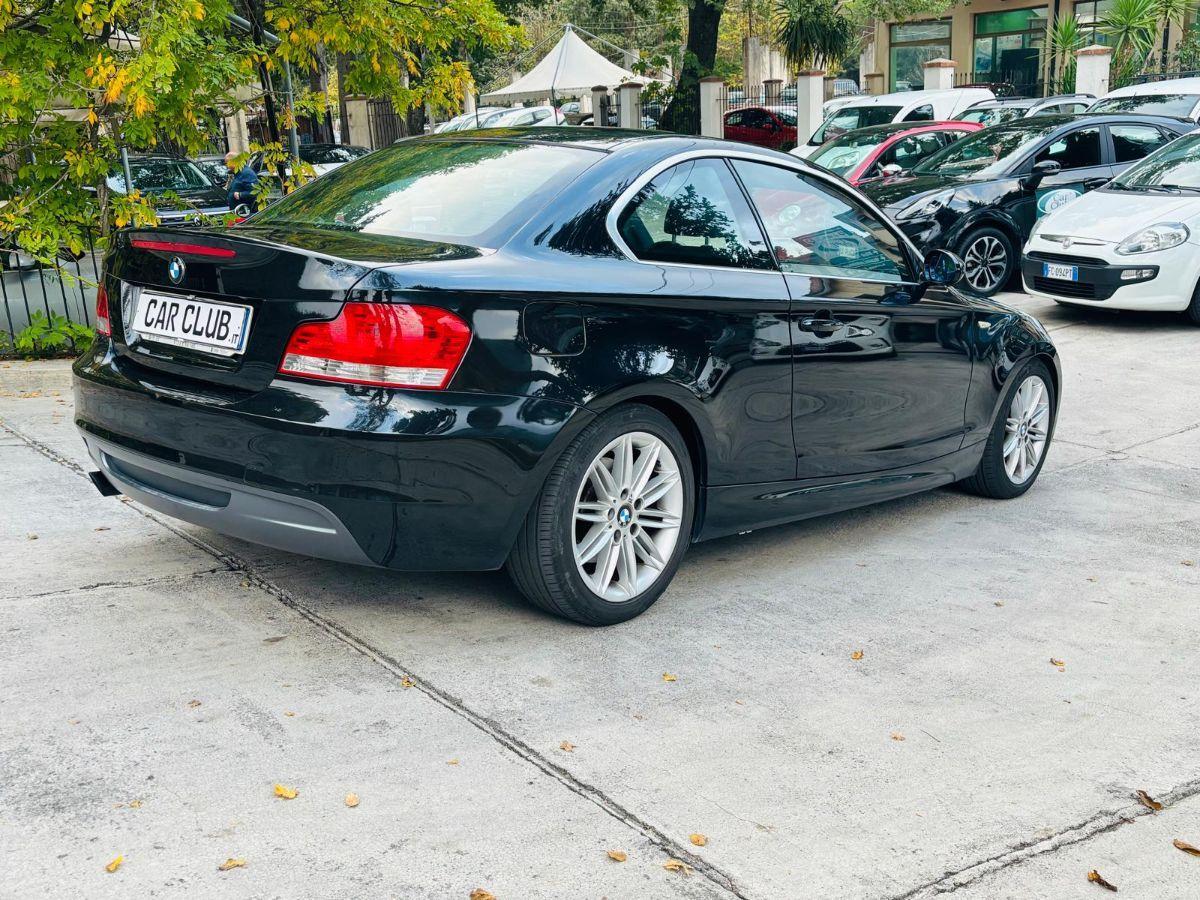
pixel 984 263
pixel 1026 429
pixel 628 513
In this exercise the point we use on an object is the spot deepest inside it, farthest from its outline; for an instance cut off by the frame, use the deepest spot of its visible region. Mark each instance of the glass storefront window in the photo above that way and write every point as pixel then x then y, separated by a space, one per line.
pixel 1088 14
pixel 912 45
pixel 1008 46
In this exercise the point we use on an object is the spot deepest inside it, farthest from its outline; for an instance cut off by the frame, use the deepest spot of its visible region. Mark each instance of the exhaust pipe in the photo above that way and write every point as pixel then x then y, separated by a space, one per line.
pixel 103 485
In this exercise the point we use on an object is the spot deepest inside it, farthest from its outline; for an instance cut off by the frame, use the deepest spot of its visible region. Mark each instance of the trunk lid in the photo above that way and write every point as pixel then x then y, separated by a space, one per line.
pixel 283 276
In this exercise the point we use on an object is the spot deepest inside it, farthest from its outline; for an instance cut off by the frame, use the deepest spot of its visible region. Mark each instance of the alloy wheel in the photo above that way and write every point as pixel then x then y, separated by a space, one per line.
pixel 627 516
pixel 985 263
pixel 1026 429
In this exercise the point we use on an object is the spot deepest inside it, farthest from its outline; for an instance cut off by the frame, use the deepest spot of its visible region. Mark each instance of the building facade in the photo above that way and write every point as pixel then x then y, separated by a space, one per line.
pixel 993 41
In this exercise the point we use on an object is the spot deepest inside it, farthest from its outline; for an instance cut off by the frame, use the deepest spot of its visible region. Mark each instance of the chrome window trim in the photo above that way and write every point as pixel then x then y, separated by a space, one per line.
pixel 800 168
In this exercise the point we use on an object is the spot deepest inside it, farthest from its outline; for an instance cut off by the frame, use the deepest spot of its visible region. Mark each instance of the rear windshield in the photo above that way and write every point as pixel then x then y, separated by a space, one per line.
pixel 992 115
pixel 1179 105
pixel 848 118
pixel 331 154
pixel 464 191
pixel 157 176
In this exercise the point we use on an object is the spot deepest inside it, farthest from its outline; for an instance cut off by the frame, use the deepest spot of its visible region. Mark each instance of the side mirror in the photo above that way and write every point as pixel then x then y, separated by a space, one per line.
pixel 891 169
pixel 242 210
pixel 943 267
pixel 1040 171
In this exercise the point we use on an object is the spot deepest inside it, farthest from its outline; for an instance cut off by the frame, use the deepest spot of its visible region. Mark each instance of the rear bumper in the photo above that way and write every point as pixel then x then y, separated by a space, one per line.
pixel 410 480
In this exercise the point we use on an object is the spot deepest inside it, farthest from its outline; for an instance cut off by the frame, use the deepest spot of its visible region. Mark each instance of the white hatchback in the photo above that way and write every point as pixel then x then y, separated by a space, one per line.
pixel 1132 244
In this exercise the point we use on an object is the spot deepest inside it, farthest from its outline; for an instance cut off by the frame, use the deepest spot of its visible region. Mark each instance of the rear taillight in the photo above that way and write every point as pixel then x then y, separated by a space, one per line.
pixel 103 325
pixel 384 344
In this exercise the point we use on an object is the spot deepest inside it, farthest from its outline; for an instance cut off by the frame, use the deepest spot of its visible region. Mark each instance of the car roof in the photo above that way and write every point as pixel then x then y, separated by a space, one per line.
pixel 1152 88
pixel 904 98
pixel 900 127
pixel 1064 120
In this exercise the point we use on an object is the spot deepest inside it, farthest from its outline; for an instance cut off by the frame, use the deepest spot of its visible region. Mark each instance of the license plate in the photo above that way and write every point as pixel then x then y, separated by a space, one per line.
pixel 1062 273
pixel 206 325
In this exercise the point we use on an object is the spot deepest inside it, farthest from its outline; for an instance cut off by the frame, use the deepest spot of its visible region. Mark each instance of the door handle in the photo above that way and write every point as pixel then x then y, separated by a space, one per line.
pixel 1092 183
pixel 811 323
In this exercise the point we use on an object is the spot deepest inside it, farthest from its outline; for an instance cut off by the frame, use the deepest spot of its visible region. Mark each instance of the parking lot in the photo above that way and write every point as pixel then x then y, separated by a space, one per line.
pixel 159 680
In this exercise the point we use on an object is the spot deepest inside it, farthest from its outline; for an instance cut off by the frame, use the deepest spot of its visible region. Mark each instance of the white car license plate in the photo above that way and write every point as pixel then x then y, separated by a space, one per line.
pixel 1062 273
pixel 206 325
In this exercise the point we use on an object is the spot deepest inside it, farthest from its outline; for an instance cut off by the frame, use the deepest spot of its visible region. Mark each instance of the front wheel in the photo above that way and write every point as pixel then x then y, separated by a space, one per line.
pixel 1020 436
pixel 606 534
pixel 988 260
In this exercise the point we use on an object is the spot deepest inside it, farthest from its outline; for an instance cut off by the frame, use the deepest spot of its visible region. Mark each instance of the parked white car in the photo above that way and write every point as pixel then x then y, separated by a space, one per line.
pixel 525 116
pixel 1178 97
pixel 905 106
pixel 1132 244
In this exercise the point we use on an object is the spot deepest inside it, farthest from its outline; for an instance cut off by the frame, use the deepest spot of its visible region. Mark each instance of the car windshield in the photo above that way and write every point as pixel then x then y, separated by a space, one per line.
pixel 1175 167
pixel 331 153
pixel 158 176
pixel 991 115
pixel 471 192
pixel 1179 105
pixel 843 154
pixel 986 153
pixel 848 118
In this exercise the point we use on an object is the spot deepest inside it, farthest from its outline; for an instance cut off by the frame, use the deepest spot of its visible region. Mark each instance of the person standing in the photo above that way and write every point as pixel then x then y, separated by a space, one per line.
pixel 241 185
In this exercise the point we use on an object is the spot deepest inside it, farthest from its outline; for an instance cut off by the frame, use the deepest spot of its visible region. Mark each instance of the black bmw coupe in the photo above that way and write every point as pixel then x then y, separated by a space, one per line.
pixel 981 196
pixel 570 352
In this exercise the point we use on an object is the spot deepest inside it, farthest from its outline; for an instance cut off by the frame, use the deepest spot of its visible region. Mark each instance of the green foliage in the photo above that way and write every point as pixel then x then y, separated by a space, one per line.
pixel 811 33
pixel 1065 38
pixel 1134 28
pixel 55 335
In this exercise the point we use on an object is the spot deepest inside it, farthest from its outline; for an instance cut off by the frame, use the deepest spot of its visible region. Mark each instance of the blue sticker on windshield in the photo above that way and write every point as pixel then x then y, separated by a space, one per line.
pixel 1053 198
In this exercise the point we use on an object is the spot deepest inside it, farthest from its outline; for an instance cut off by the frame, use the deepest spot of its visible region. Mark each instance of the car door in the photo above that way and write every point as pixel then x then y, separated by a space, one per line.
pixel 706 301
pixel 1083 155
pixel 879 381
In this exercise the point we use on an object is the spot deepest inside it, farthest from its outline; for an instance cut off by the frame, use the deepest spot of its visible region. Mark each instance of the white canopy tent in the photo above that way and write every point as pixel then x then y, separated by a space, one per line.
pixel 572 68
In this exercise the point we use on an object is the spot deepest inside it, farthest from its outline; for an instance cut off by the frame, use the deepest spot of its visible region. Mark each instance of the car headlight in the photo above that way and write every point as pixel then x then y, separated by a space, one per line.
pixel 925 208
pixel 1162 236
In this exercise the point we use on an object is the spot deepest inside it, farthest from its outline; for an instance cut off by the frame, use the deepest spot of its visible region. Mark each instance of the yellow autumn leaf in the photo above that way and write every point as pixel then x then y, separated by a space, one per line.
pixel 698 839
pixel 481 894
pixel 115 864
pixel 567 746
pixel 897 736
pixel 231 863
pixel 452 762
pixel 352 800
pixel 287 793
pixel 617 855
pixel 407 682
pixel 135 804
pixel 667 676
pixel 677 865
pixel 857 654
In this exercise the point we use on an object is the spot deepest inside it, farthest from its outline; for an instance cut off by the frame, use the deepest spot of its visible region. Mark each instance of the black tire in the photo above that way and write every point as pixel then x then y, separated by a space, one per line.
pixel 1192 313
pixel 990 478
pixel 542 562
pixel 983 236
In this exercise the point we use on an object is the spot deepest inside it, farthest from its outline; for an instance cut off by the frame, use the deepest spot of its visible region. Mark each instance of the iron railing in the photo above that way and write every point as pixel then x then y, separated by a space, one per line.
pixel 30 290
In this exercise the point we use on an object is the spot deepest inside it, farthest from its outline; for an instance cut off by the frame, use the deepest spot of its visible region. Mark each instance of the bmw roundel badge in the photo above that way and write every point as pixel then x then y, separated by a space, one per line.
pixel 175 269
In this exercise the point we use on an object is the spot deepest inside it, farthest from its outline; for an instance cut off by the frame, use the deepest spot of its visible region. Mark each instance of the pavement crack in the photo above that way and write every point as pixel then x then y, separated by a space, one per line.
pixel 126 583
pixel 493 729
pixel 1101 823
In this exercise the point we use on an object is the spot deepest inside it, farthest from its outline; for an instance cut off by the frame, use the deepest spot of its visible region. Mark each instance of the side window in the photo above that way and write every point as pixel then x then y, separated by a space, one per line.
pixel 1075 108
pixel 920 114
pixel 694 213
pixel 735 118
pixel 1076 150
pixel 756 118
pixel 1132 142
pixel 911 150
pixel 817 230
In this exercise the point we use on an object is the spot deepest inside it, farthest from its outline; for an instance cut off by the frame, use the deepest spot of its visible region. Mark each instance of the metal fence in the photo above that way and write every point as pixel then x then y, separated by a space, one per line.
pixel 386 124
pixel 1018 83
pixel 30 290
pixel 764 115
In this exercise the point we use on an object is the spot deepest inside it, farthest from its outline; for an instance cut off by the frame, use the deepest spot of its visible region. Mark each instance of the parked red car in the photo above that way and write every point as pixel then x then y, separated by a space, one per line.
pixel 868 153
pixel 766 126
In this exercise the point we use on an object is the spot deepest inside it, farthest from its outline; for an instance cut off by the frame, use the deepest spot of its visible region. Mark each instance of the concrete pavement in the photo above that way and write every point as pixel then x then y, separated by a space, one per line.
pixel 1012 778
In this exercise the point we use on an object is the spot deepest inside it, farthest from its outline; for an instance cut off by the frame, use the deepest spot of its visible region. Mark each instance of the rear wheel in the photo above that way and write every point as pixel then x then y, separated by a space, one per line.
pixel 612 522
pixel 988 260
pixel 1016 447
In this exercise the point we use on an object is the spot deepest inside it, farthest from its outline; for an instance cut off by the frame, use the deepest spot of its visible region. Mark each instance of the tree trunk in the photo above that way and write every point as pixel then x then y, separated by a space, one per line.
pixel 699 56
pixel 343 116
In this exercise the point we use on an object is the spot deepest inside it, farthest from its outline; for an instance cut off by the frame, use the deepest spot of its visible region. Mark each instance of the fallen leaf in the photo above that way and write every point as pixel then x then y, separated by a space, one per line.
pixel 667 676
pixel 192 704
pixel 998 603
pixel 1096 878
pixel 452 762
pixel 677 865
pixel 1186 847
pixel 1189 562
pixel 1147 801
pixel 407 682
pixel 115 864
pixel 287 793
pixel 31 537
pixel 897 736
pixel 617 855
pixel 274 640
pixel 102 528
pixel 135 804
pixel 857 654
pixel 1055 661
pixel 289 714
pixel 481 894
pixel 245 582
pixel 231 863
pixel 567 746
pixel 698 839
pixel 352 800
